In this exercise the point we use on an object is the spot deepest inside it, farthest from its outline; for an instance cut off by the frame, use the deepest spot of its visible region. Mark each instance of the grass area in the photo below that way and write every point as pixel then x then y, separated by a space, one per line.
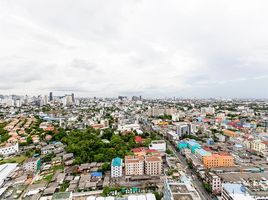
pixel 16 159
pixel 48 178
pixel 64 186
pixel 59 167
pixel 45 179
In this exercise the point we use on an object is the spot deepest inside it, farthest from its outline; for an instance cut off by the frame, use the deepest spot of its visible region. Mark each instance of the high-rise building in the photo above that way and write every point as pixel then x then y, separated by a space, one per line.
pixel 116 167
pixel 45 100
pixel 67 100
pixel 73 99
pixel 153 165
pixel 50 96
pixel 134 165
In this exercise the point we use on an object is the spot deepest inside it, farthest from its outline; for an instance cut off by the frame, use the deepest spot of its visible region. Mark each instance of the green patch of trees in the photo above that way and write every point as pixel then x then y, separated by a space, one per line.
pixel 3 133
pixel 169 117
pixel 87 145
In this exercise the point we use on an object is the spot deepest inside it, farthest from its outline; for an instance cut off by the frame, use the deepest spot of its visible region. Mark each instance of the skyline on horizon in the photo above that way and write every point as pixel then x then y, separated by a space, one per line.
pixel 184 49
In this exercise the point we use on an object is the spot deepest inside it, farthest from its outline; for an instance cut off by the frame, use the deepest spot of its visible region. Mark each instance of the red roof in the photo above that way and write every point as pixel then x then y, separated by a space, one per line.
pixel 138 139
pixel 136 150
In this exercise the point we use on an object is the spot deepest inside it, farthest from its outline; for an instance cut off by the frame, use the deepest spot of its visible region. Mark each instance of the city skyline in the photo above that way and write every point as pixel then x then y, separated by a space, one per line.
pixel 98 48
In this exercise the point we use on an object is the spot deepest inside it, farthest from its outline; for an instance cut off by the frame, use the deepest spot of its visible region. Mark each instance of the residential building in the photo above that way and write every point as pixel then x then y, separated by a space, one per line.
pixel 9 149
pixel 116 167
pixel 258 145
pixel 183 128
pixel 215 182
pixel 153 165
pixel 32 164
pixel 134 165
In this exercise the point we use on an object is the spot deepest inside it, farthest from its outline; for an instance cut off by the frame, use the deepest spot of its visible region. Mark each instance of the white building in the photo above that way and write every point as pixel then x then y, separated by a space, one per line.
pixel 159 145
pixel 116 167
pixel 235 191
pixel 6 170
pixel 183 129
pixel 9 149
pixel 32 164
pixel 129 127
pixel 176 190
pixel 215 182
pixel 207 110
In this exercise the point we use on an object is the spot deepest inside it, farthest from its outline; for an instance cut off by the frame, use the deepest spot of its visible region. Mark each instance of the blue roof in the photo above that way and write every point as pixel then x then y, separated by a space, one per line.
pixel 203 152
pixel 192 143
pixel 96 174
pixel 116 162
pixel 233 188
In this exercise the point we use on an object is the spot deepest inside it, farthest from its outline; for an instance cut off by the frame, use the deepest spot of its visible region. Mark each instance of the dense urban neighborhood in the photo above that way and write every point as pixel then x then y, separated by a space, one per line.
pixel 64 147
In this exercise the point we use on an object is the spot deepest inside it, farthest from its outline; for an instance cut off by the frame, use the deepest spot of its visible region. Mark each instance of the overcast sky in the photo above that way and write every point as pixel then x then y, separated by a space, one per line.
pixel 182 48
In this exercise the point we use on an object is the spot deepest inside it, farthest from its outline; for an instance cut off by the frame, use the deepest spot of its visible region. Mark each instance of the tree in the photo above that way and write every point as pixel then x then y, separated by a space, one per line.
pixel 29 140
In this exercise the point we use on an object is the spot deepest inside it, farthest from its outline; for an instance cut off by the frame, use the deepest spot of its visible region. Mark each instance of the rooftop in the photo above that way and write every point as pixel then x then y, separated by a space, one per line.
pixel 116 162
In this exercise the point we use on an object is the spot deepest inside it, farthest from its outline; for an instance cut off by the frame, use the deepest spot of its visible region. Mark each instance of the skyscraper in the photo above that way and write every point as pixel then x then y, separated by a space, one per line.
pixel 73 100
pixel 50 96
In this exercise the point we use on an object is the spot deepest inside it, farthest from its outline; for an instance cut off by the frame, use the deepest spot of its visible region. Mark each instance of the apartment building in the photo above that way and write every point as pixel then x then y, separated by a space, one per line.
pixel 215 182
pixel 134 165
pixel 153 165
pixel 256 145
pixel 9 149
pixel 32 164
pixel 116 167
pixel 216 160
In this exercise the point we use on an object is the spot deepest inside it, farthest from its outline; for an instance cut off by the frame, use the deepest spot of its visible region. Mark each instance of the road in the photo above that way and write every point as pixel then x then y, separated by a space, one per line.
pixel 199 186
pixel 191 173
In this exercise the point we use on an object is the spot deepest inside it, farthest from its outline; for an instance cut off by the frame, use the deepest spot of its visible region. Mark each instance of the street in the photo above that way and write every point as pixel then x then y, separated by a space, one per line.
pixel 198 184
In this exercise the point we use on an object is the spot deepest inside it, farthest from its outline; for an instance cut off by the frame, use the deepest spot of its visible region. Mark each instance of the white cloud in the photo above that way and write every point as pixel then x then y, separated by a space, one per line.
pixel 153 48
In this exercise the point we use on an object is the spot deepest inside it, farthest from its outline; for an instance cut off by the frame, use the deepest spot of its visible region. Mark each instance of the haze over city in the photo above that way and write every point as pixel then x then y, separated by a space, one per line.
pixel 151 48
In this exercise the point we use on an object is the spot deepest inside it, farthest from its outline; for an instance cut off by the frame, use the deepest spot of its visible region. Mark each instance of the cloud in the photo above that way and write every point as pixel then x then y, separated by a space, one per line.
pixel 110 48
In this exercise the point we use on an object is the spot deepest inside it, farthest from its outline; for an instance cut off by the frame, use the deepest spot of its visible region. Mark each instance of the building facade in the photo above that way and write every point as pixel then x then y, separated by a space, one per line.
pixel 134 165
pixel 153 165
pixel 216 160
pixel 9 149
pixel 116 167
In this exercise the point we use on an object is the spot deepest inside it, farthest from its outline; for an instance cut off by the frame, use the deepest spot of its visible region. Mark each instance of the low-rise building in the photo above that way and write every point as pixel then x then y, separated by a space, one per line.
pixel 32 164
pixel 9 149
pixel 159 145
pixel 217 160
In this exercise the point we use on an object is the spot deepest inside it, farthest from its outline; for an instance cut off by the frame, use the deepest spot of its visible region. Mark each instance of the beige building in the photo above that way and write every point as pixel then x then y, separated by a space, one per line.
pixel 134 165
pixel 153 165
pixel 256 145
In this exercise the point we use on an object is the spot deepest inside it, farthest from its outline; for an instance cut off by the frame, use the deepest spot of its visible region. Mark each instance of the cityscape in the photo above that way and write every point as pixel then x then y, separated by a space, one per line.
pixel 65 147
pixel 133 100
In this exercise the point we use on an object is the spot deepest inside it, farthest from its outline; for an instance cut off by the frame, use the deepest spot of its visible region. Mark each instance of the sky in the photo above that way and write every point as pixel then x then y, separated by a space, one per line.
pixel 152 48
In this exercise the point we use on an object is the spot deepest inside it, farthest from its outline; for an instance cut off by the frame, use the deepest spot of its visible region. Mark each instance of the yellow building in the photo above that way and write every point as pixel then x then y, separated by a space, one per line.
pixel 216 160
pixel 230 133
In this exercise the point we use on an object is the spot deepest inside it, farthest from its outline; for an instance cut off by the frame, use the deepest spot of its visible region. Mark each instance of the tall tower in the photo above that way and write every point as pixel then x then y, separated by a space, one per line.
pixel 50 96
pixel 73 100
